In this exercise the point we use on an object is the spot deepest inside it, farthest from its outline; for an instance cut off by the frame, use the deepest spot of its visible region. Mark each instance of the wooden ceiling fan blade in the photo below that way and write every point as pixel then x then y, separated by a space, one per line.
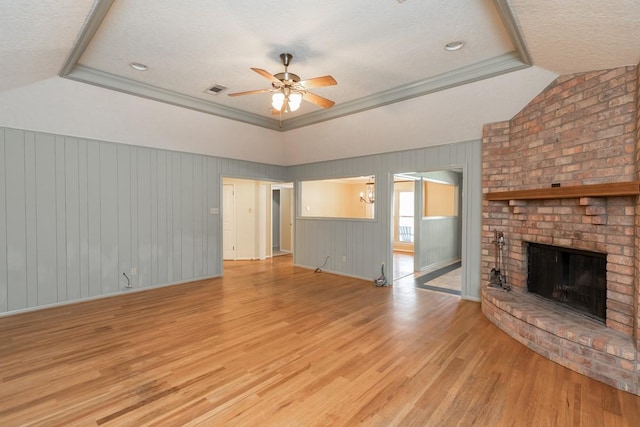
pixel 318 82
pixel 267 75
pixel 318 100
pixel 250 92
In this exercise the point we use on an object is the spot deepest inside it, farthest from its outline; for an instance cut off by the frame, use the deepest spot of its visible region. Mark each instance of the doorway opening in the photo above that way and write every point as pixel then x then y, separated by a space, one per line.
pixel 403 226
pixel 282 219
pixel 257 216
pixel 427 229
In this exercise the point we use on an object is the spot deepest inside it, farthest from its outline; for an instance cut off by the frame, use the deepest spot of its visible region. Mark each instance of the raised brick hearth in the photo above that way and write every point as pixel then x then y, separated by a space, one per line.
pixel 581 130
pixel 570 339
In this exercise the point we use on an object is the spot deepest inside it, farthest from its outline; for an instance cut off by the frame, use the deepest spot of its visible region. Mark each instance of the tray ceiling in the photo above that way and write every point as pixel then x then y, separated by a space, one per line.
pixel 378 54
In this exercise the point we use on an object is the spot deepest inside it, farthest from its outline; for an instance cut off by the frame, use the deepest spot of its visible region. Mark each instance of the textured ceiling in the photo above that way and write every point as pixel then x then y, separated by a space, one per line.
pixel 571 36
pixel 379 53
pixel 36 37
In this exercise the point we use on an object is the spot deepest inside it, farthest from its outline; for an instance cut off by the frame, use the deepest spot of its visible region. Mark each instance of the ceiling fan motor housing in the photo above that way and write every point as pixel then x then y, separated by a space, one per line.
pixel 287 76
pixel 286 59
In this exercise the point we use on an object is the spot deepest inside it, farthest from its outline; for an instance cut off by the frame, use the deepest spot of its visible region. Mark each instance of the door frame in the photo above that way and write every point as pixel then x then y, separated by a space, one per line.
pixel 464 212
pixel 225 214
pixel 291 215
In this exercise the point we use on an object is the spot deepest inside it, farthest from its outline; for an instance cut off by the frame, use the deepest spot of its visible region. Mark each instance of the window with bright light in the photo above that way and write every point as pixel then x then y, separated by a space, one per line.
pixel 405 216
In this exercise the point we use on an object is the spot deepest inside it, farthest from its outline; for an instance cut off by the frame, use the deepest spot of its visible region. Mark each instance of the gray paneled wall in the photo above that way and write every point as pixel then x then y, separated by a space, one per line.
pixel 365 244
pixel 75 214
pixel 439 241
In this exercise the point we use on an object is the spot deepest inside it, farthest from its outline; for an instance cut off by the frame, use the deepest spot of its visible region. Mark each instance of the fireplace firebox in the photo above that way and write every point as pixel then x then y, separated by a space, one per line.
pixel 571 277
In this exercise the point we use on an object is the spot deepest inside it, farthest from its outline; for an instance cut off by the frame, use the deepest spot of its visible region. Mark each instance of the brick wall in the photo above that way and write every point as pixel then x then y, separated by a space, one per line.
pixel 582 129
pixel 637 266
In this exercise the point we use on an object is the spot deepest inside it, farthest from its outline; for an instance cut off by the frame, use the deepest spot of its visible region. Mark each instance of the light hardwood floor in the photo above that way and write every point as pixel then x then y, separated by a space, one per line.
pixel 273 345
pixel 402 264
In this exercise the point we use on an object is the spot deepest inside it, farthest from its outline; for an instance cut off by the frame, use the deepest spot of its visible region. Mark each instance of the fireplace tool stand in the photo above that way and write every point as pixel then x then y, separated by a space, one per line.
pixel 497 276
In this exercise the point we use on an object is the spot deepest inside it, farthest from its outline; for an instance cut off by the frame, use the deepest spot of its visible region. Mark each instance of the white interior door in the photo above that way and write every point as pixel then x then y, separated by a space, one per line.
pixel 228 222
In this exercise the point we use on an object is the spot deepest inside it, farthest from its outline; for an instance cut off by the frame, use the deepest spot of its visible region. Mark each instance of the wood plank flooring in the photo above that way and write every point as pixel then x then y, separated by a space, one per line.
pixel 273 345
pixel 402 264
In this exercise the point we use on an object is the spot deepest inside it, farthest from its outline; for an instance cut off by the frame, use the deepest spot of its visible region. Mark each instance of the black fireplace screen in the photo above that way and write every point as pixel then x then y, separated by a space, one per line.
pixel 572 277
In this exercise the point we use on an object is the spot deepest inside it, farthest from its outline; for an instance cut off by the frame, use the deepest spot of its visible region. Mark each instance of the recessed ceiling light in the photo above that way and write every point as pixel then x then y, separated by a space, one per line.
pixel 138 66
pixel 451 46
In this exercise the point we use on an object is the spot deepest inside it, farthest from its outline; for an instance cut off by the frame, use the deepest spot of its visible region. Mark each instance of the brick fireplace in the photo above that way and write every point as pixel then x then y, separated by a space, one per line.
pixel 564 172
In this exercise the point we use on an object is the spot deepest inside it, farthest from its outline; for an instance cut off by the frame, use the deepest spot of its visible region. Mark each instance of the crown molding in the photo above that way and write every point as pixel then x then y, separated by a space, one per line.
pixel 91 25
pixel 482 70
pixel 106 80
pixel 492 67
pixel 512 26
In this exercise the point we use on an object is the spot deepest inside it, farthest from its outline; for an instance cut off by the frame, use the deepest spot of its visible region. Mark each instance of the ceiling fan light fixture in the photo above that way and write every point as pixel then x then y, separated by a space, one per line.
pixel 295 99
pixel 276 100
pixel 288 88
pixel 293 103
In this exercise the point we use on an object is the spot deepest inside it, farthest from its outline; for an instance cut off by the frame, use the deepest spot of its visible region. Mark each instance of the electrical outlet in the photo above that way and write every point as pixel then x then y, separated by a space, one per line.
pixel 344 258
pixel 134 271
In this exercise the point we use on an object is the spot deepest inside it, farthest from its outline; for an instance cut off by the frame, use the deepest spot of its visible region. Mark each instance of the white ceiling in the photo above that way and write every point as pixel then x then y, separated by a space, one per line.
pixel 380 53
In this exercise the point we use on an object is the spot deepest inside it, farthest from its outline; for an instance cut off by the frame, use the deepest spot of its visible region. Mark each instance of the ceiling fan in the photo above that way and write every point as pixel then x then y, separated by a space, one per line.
pixel 289 91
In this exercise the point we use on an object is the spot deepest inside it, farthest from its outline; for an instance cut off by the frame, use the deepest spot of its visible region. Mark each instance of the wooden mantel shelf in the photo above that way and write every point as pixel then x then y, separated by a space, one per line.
pixel 629 188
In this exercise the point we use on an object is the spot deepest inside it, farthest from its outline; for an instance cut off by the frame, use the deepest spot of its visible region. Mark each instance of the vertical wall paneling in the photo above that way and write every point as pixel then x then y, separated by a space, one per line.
pixel 153 217
pixel 124 215
pixel 31 217
pixel 161 221
pixel 4 283
pixel 60 215
pixel 169 224
pixel 176 202
pixel 439 241
pixel 187 214
pixel 46 224
pixel 15 222
pixel 72 218
pixel 198 208
pixel 368 243
pixel 143 197
pixel 85 275
pixel 204 251
pixel 214 223
pixel 75 214
pixel 79 213
pixel 110 279
pixel 83 194
pixel 133 216
pixel 94 218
